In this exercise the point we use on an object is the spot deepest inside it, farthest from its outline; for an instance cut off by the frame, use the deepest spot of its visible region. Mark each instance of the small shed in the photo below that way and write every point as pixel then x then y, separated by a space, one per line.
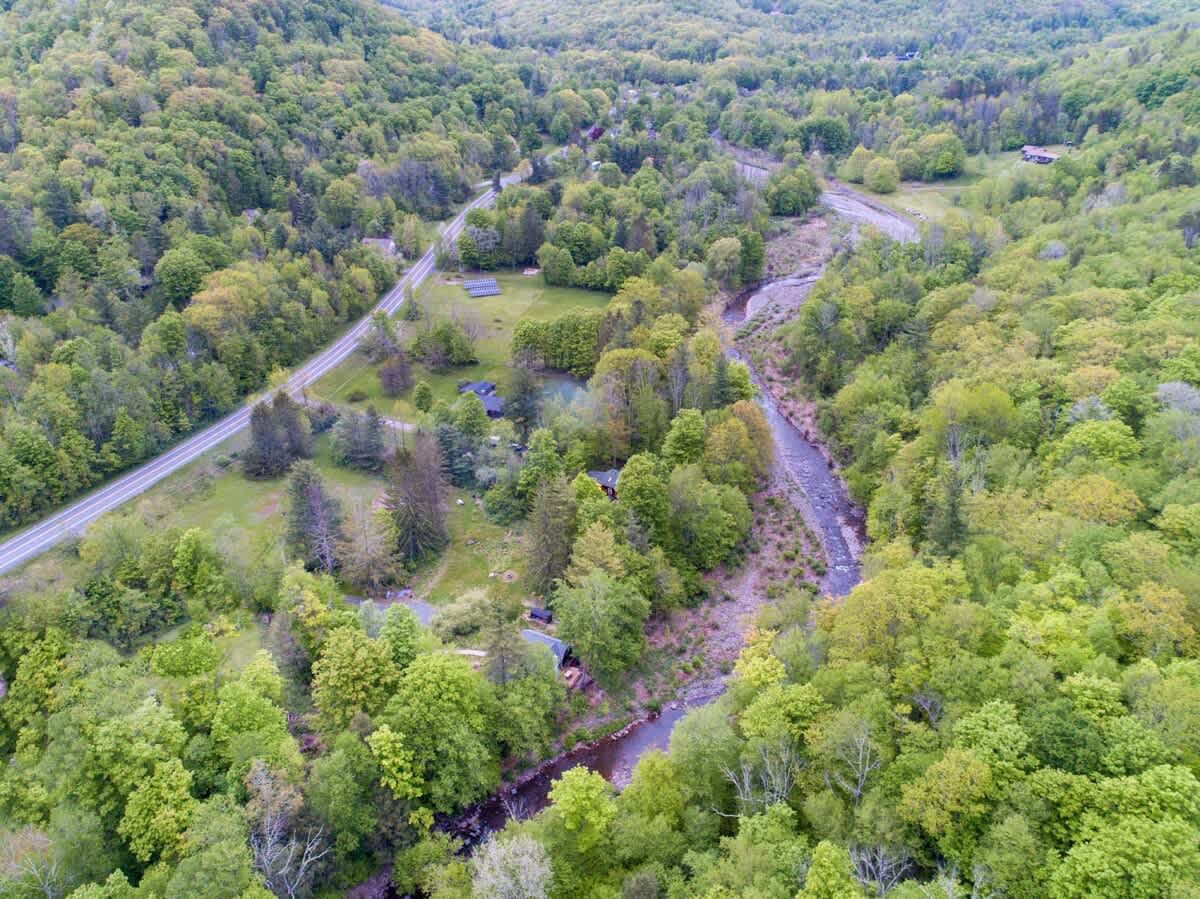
pixel 595 132
pixel 560 650
pixel 607 481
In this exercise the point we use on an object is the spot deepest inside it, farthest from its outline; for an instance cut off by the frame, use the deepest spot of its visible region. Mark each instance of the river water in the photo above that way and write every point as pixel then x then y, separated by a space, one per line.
pixel 812 485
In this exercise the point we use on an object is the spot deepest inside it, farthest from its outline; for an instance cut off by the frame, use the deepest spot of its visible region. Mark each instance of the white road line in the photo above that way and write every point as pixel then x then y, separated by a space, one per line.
pixel 72 518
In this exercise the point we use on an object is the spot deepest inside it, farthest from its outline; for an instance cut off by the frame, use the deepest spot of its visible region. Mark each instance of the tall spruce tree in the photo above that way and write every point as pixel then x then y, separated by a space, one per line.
pixel 279 434
pixel 358 440
pixel 314 530
pixel 416 500
pixel 551 533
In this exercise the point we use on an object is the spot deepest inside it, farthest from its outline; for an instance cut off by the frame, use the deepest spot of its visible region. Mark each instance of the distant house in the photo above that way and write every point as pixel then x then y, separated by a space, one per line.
pixel 907 56
pixel 595 132
pixel 539 614
pixel 479 388
pixel 385 246
pixel 1040 155
pixel 595 165
pixel 560 650
pixel 493 405
pixel 607 480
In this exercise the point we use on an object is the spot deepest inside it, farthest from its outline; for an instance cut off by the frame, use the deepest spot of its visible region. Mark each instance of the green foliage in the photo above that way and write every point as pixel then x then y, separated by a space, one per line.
pixel 1009 702
pixel 602 619
pixel 354 675
pixel 445 714
pixel 444 344
pixel 829 874
pixel 158 812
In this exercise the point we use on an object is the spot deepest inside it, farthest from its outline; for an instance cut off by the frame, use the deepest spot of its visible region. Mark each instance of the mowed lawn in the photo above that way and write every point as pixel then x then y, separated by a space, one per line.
pixel 482 555
pixel 494 319
pixel 232 500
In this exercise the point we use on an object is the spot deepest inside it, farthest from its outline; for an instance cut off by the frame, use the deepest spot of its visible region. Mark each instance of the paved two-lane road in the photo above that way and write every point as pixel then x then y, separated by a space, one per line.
pixel 73 518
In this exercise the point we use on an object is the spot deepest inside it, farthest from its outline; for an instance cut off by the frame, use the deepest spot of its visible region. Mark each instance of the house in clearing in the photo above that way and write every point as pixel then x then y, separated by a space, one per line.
pixel 493 405
pixel 385 246
pixel 607 480
pixel 1040 155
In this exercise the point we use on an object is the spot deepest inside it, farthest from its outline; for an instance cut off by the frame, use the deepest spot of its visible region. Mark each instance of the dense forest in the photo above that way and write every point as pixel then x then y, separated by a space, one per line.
pixel 1007 705
pixel 184 192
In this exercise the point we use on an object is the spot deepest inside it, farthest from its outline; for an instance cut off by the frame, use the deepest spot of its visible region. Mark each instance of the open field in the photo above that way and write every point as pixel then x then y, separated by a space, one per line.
pixel 931 201
pixel 211 494
pixel 494 318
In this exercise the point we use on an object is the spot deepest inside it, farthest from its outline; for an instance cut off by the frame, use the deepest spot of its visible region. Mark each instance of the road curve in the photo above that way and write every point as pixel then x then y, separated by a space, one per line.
pixel 73 518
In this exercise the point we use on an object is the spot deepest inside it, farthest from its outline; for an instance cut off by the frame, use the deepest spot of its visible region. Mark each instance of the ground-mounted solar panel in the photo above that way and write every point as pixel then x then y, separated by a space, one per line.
pixel 482 284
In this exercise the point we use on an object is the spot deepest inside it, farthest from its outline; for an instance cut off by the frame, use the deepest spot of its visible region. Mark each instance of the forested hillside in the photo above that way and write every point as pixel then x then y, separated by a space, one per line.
pixel 1008 705
pixel 283 695
pixel 184 189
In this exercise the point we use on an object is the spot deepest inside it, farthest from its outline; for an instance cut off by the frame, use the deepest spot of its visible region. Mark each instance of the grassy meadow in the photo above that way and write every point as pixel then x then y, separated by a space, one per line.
pixel 522 296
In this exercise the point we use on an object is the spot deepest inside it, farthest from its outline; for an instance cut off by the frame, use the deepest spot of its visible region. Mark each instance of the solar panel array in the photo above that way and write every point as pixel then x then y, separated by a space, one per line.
pixel 484 287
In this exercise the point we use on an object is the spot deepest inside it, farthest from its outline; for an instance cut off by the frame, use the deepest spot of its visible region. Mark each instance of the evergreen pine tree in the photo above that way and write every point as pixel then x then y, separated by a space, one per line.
pixel 314 527
pixel 416 500
pixel 373 440
pixel 267 454
pixel 550 534
pixel 523 405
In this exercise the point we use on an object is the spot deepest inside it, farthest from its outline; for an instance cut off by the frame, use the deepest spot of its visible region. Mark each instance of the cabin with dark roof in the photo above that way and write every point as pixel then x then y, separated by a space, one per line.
pixel 479 388
pixel 607 481
pixel 493 405
pixel 560 650
pixel 595 132
pixel 1040 155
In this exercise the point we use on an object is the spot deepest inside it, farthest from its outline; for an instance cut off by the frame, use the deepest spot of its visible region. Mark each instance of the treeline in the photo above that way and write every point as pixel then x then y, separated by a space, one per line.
pixel 650 187
pixel 180 768
pixel 821 75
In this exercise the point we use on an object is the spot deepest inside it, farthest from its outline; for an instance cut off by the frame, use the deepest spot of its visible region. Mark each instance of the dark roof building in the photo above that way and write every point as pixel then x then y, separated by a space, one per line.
pixel 493 405
pixel 1040 155
pixel 595 132
pixel 607 480
pixel 479 388
pixel 560 650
